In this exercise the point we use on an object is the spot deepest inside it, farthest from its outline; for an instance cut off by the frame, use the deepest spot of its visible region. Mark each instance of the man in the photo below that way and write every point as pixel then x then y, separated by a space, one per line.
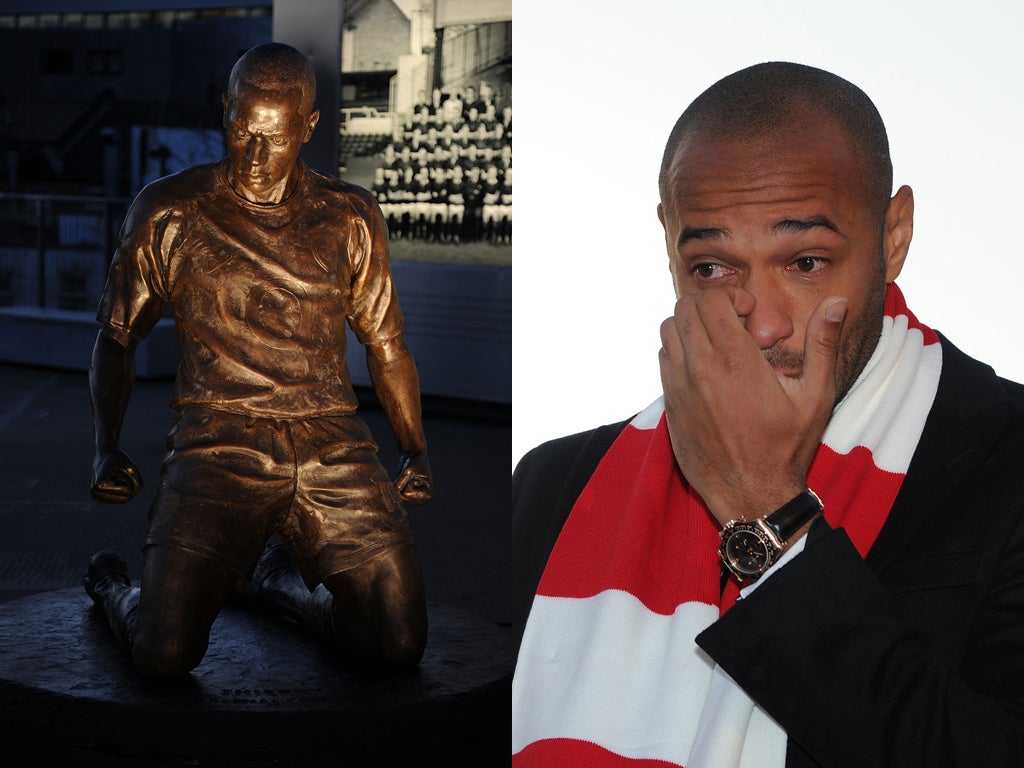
pixel 810 550
pixel 262 261
pixel 455 194
pixel 490 209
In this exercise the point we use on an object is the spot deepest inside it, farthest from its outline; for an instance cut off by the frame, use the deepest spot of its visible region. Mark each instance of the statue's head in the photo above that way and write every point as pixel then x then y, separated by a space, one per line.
pixel 268 116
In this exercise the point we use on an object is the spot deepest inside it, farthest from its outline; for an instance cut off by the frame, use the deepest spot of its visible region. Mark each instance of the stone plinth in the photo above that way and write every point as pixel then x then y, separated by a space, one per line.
pixel 266 694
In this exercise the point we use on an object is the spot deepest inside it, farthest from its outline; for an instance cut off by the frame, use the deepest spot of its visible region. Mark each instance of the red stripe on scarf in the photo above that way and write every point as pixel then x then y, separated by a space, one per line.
pixel 835 477
pixel 640 476
pixel 575 753
pixel 637 499
pixel 895 304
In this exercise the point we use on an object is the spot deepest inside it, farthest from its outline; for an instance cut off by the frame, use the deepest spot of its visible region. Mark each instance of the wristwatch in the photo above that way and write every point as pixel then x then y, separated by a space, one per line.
pixel 749 548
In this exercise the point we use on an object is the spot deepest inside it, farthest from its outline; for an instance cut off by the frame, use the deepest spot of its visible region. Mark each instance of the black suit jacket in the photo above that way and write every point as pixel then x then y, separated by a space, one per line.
pixel 913 656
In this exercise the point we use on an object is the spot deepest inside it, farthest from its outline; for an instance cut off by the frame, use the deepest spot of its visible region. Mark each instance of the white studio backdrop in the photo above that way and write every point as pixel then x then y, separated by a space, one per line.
pixel 597 92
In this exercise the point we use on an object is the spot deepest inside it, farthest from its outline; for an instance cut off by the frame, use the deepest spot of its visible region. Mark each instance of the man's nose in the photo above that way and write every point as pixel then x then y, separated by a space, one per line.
pixel 771 319
pixel 256 151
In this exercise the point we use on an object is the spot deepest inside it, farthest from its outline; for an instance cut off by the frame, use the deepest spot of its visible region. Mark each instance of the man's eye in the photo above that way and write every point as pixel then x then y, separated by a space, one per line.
pixel 708 271
pixel 278 141
pixel 240 134
pixel 809 263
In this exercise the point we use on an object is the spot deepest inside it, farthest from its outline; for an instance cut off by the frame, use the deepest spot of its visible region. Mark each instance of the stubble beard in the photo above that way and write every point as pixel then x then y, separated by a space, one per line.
pixel 857 344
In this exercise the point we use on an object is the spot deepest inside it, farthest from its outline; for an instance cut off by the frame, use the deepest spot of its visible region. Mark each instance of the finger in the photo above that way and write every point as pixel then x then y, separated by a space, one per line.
pixel 671 346
pixel 821 345
pixel 419 490
pixel 683 331
pixel 410 499
pixel 407 480
pixel 671 357
pixel 743 302
pixel 134 478
pixel 109 494
pixel 722 312
pixel 126 482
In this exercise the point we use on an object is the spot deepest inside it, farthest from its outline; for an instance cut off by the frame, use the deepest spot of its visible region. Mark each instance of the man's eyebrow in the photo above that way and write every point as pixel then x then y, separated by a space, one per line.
pixel 701 233
pixel 242 127
pixel 784 227
pixel 792 226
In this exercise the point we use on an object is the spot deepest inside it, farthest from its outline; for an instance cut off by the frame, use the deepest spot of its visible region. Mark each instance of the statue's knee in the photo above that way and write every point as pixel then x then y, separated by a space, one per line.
pixel 404 645
pixel 167 659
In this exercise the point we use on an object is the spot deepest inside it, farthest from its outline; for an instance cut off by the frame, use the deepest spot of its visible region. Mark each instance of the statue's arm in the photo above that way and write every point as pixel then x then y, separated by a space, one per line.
pixel 116 479
pixel 396 382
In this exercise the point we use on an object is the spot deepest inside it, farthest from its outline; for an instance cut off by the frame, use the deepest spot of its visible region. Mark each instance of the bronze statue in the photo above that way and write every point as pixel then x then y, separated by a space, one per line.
pixel 271 478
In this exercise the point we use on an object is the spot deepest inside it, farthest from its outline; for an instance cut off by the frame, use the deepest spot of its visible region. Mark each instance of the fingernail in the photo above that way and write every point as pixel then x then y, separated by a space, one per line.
pixel 836 311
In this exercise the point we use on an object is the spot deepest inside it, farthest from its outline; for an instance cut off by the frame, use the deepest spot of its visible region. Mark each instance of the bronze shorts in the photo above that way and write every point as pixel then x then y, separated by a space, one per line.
pixel 230 481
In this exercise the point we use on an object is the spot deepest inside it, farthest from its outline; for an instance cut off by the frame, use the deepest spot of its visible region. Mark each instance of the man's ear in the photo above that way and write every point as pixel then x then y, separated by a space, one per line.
pixel 314 118
pixel 899 230
pixel 224 108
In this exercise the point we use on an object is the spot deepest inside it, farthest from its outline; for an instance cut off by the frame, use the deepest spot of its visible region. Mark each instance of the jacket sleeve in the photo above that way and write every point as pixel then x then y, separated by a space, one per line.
pixel 862 672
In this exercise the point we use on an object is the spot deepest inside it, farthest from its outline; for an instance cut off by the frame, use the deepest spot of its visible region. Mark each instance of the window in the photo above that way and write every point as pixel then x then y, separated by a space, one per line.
pixel 57 61
pixel 105 61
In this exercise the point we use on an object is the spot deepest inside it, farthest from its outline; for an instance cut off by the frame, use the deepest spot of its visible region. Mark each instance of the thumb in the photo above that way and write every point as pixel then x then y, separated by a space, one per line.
pixel 821 346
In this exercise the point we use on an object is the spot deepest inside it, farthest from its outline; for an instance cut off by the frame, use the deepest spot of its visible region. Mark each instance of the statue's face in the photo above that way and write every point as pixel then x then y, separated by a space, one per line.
pixel 265 130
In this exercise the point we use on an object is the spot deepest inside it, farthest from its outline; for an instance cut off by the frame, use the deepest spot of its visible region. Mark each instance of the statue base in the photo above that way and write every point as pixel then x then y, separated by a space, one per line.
pixel 266 693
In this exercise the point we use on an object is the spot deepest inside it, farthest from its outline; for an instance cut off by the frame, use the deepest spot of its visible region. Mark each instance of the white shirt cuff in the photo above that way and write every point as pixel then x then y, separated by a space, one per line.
pixel 790 553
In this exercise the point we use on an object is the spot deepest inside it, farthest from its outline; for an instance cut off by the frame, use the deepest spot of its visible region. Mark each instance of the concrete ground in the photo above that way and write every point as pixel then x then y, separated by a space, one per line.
pixel 49 523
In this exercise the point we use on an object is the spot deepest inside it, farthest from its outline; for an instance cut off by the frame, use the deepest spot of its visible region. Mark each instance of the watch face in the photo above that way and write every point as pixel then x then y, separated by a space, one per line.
pixel 747 552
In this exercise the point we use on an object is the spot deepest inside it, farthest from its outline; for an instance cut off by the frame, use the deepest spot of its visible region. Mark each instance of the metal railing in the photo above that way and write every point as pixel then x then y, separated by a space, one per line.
pixel 55 249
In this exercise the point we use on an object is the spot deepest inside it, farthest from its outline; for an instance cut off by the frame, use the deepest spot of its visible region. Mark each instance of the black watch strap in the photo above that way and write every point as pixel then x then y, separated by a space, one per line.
pixel 794 514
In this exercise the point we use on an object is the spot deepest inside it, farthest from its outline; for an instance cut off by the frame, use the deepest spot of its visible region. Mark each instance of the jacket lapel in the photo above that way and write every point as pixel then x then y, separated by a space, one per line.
pixel 957 436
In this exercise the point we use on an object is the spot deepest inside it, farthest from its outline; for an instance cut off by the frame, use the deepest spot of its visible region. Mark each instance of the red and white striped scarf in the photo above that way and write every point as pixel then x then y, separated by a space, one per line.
pixel 609 675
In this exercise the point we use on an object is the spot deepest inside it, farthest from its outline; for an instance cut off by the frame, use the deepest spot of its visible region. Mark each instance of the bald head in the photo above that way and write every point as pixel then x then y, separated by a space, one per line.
pixel 275 67
pixel 772 100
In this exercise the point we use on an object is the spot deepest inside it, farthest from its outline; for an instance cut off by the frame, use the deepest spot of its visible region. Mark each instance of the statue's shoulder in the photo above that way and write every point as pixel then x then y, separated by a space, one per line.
pixel 172 191
pixel 342 192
